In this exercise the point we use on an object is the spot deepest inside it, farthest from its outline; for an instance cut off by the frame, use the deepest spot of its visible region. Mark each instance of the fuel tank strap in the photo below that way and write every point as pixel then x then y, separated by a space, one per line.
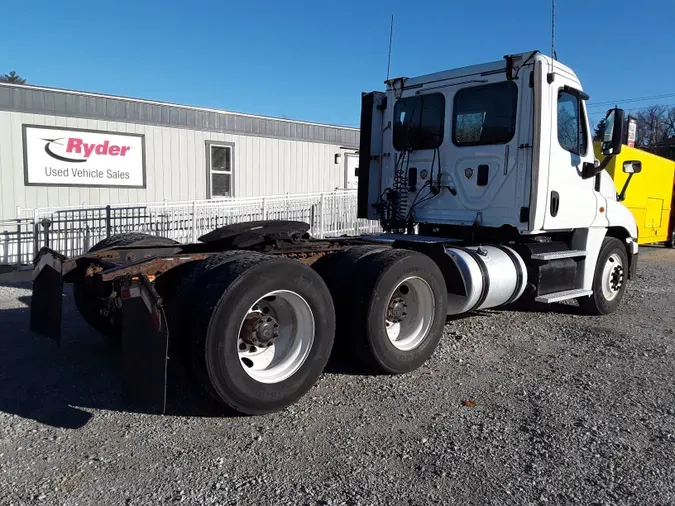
pixel 519 273
pixel 485 288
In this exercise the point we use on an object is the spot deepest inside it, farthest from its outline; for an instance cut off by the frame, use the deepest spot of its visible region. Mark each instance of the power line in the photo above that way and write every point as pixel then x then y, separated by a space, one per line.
pixel 602 113
pixel 630 100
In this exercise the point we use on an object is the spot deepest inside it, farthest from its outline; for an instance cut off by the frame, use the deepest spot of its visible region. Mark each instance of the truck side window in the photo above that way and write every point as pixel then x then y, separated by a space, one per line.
pixel 419 121
pixel 484 115
pixel 572 134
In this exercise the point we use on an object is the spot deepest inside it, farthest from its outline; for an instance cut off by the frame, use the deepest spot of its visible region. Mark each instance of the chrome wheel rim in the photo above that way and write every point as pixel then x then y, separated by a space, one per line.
pixel 276 336
pixel 612 277
pixel 410 313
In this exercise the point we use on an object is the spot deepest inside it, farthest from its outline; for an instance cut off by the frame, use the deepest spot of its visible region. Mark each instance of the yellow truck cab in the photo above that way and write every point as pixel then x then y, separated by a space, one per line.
pixel 649 196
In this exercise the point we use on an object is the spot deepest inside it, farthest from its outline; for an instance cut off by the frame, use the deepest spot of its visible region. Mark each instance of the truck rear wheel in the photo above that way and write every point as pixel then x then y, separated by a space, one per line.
pixel 337 271
pixel 262 331
pixel 89 304
pixel 397 310
pixel 609 280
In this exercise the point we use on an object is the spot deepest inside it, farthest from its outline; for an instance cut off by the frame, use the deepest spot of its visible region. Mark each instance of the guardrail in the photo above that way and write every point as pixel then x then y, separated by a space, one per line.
pixel 72 231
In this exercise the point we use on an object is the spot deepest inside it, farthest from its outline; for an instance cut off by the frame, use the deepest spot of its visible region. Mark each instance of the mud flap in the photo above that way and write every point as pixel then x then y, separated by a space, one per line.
pixel 46 301
pixel 145 341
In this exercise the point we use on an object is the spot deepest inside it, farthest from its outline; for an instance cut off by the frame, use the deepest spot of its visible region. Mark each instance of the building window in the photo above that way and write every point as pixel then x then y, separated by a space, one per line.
pixel 483 115
pixel 220 171
pixel 572 134
pixel 418 122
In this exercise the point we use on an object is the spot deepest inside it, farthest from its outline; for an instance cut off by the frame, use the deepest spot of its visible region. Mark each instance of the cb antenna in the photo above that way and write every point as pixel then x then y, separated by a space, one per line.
pixel 553 55
pixel 391 33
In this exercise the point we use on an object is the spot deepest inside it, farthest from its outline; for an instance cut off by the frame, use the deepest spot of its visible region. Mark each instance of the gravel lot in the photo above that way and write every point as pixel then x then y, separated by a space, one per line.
pixel 568 410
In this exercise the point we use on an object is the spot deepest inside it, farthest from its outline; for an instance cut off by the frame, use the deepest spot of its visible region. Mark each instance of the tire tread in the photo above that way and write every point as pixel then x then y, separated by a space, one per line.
pixel 369 271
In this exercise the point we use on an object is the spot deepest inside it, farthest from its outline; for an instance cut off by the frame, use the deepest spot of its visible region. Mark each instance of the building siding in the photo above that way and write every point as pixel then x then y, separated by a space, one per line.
pixel 175 158
pixel 66 103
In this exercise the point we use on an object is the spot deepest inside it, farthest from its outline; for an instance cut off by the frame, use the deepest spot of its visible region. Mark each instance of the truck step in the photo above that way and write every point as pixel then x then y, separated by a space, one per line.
pixel 557 255
pixel 560 296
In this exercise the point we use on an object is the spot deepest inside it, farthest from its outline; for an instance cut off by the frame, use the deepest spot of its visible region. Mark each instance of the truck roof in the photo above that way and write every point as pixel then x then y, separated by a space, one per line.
pixel 484 68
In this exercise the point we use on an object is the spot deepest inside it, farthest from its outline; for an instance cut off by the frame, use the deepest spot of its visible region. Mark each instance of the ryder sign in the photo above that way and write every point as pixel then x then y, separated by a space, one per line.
pixel 73 157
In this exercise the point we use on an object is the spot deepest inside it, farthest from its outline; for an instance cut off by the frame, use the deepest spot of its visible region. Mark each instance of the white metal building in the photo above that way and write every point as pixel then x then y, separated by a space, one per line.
pixel 68 148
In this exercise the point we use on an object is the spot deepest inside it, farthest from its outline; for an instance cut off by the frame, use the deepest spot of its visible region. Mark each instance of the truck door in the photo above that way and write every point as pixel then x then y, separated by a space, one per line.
pixel 351 171
pixel 571 200
pixel 488 168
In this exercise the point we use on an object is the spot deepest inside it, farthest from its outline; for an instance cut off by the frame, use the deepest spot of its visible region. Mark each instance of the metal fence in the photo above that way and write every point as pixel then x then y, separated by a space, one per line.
pixel 73 231
pixel 18 241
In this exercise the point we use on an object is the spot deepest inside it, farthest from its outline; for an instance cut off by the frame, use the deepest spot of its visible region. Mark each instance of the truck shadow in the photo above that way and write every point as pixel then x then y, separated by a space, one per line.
pixel 60 385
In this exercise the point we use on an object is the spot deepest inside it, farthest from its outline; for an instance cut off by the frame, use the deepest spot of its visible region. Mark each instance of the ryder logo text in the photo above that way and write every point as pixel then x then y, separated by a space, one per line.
pixel 85 150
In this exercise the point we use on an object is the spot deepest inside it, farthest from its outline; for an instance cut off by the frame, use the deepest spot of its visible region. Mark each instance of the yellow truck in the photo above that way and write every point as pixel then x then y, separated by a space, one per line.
pixel 649 195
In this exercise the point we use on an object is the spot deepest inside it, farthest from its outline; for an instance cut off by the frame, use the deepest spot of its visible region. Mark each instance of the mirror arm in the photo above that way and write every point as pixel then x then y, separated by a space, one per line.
pixel 622 196
pixel 603 165
pixel 595 170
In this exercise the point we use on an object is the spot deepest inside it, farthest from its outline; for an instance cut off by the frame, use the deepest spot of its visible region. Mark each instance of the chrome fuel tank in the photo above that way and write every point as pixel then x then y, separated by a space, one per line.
pixel 489 276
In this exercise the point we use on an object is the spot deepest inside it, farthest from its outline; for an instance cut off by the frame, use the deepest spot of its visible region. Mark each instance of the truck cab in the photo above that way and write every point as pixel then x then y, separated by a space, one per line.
pixel 499 151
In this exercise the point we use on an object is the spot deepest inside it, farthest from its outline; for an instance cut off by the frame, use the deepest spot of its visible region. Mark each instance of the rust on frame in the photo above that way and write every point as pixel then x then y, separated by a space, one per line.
pixel 150 267
pixel 306 258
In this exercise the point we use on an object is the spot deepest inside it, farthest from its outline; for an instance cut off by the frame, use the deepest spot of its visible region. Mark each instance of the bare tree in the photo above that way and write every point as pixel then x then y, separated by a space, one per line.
pixel 652 126
pixel 469 127
pixel 670 121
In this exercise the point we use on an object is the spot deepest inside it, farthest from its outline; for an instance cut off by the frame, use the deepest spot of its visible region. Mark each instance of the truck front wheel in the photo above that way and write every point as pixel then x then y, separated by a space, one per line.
pixel 262 331
pixel 397 310
pixel 609 280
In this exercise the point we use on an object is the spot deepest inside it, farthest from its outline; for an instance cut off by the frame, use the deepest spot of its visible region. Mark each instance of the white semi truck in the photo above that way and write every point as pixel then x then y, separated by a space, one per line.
pixel 488 190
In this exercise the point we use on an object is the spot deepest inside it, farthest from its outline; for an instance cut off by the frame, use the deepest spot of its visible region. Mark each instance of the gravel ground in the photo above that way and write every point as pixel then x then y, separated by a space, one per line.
pixel 568 410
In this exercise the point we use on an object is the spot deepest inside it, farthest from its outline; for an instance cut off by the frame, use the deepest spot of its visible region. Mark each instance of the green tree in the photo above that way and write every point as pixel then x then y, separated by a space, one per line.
pixel 599 131
pixel 13 78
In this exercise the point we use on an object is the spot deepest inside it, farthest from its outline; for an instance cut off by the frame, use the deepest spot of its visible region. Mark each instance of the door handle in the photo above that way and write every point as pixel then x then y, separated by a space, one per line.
pixel 555 203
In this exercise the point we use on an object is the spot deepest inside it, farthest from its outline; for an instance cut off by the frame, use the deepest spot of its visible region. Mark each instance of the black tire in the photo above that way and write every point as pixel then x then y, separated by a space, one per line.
pixel 670 243
pixel 89 304
pixel 337 271
pixel 226 293
pixel 240 234
pixel 597 304
pixel 376 276
pixel 132 238
pixel 335 268
pixel 184 341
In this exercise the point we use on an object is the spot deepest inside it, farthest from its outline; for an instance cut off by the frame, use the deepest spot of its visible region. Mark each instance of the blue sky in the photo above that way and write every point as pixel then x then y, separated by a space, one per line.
pixel 311 60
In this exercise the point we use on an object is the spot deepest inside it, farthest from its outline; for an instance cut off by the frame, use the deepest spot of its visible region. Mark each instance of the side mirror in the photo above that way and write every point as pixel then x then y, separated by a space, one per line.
pixel 613 136
pixel 632 166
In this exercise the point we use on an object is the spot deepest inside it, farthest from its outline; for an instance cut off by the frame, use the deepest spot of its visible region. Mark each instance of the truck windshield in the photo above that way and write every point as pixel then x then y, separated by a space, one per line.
pixel 418 122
